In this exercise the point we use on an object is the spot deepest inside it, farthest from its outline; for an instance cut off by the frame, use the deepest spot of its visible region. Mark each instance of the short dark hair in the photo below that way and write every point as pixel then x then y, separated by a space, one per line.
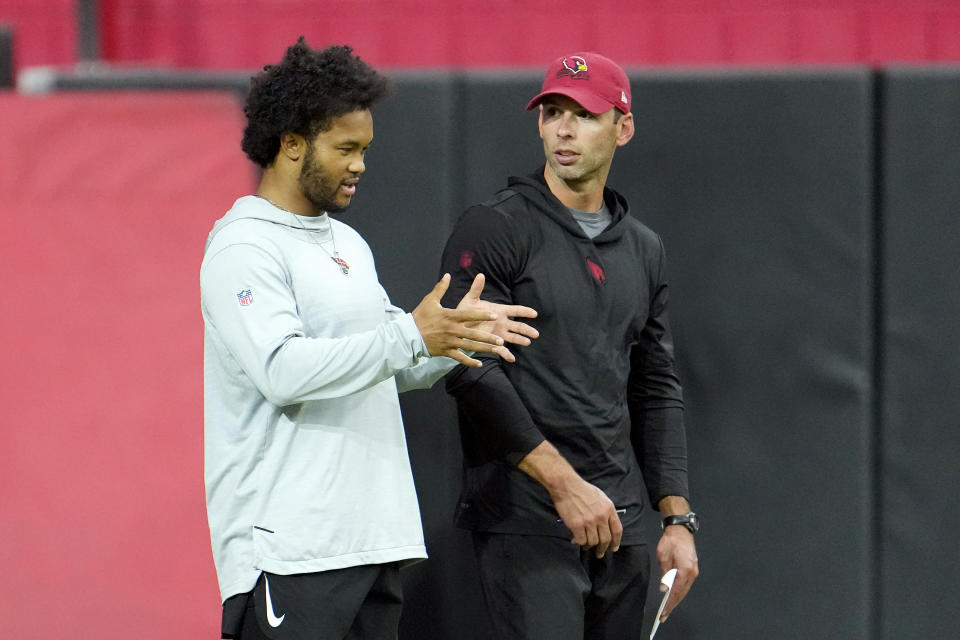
pixel 303 93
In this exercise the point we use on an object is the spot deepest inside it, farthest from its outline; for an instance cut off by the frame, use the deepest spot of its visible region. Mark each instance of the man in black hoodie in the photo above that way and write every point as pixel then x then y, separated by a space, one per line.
pixel 558 447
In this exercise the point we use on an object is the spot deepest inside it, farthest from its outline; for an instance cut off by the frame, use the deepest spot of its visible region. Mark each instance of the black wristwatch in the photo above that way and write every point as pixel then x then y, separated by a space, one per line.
pixel 690 521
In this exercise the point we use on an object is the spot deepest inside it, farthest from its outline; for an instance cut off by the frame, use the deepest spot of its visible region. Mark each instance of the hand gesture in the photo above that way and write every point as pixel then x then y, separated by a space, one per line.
pixel 504 326
pixel 446 331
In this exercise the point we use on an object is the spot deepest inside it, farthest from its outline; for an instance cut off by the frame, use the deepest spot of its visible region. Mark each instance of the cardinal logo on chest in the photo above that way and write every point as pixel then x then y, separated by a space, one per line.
pixel 596 271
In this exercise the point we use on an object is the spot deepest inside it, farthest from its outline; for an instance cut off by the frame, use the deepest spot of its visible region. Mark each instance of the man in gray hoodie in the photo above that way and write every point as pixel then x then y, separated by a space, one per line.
pixel 310 498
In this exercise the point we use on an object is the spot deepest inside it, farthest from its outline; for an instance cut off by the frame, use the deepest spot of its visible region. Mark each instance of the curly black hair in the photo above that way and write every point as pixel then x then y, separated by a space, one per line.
pixel 303 93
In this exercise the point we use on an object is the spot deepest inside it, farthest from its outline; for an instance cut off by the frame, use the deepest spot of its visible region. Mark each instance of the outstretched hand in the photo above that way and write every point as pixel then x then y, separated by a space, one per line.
pixel 504 326
pixel 447 331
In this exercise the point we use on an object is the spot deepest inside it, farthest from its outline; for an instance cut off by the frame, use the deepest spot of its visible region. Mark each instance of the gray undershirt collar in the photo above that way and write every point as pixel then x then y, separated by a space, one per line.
pixel 593 224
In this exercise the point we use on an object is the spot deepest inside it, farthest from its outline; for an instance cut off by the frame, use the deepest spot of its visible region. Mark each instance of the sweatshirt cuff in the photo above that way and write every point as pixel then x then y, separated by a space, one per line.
pixel 411 336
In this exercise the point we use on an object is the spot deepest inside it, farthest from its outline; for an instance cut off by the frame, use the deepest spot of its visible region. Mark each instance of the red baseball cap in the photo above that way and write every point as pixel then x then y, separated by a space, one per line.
pixel 594 81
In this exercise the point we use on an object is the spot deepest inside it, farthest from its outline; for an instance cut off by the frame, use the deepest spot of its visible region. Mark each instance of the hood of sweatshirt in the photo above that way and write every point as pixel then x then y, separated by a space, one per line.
pixel 534 188
pixel 257 208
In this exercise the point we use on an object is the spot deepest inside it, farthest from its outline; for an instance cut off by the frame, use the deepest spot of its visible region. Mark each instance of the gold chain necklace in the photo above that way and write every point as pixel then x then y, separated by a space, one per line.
pixel 335 256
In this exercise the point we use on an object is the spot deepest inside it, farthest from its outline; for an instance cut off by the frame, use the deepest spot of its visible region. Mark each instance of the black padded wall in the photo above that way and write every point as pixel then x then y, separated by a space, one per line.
pixel 496 135
pixel 921 353
pixel 759 184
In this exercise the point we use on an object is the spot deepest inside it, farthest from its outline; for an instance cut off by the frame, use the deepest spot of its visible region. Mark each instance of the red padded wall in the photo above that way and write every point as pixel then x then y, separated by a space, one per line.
pixel 107 199
pixel 498 33
pixel 44 31
pixel 245 34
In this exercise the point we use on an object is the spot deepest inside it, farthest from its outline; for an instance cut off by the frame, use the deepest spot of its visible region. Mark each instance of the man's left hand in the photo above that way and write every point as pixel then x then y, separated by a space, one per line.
pixel 677 550
pixel 504 326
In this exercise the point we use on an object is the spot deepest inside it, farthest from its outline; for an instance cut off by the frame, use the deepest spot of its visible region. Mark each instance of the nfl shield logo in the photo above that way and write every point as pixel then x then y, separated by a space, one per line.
pixel 245 297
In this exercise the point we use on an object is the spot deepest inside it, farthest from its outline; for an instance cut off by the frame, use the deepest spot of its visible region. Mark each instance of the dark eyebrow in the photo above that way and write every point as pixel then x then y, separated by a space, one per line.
pixel 354 143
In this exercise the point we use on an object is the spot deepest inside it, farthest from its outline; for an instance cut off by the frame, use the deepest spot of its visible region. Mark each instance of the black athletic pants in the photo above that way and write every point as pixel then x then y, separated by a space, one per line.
pixel 545 588
pixel 357 603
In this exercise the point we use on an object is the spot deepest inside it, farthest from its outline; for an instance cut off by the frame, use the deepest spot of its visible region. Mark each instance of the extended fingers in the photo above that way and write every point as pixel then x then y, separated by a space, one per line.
pixel 463 358
pixel 472 297
pixel 485 340
pixel 440 288
pixel 520 333
pixel 476 288
pixel 518 311
pixel 465 316
pixel 486 347
pixel 526 330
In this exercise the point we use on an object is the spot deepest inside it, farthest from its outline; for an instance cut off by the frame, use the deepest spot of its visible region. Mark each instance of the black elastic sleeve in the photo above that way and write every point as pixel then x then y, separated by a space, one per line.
pixel 484 241
pixel 655 398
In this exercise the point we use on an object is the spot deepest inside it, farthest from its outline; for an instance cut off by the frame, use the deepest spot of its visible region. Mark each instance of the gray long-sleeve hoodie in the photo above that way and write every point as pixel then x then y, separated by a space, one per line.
pixel 306 464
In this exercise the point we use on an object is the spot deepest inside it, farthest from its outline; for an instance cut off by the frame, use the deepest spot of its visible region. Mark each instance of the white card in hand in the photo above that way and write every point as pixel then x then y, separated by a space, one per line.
pixel 666 580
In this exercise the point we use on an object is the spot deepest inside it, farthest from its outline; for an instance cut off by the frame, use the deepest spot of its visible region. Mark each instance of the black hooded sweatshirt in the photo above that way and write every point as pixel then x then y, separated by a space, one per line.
pixel 599 382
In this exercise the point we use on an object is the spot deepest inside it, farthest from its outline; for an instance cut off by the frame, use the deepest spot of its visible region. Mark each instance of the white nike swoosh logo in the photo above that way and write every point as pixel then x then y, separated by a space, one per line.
pixel 272 619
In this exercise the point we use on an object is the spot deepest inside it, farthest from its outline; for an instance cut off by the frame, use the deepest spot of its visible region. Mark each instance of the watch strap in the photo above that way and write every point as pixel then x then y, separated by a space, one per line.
pixel 688 520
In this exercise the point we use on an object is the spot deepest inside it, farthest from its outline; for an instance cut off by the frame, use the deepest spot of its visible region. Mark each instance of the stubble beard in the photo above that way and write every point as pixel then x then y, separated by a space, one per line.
pixel 569 174
pixel 587 168
pixel 317 186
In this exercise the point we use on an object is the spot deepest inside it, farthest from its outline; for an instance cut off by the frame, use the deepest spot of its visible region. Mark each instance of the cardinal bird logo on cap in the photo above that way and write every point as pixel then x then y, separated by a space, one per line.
pixel 579 64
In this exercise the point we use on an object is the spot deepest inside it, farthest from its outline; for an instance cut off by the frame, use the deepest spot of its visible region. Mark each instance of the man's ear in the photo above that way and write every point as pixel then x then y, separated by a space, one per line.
pixel 292 146
pixel 625 131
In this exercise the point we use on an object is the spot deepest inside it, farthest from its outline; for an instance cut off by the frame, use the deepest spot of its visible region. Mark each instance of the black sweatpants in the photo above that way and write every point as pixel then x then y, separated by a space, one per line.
pixel 545 588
